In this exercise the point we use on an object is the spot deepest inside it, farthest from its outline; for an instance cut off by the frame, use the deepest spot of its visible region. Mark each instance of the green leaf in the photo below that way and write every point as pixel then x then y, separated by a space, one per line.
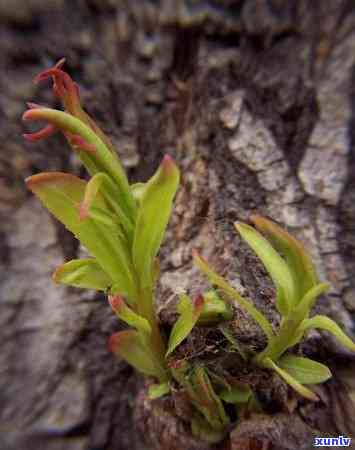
pixel 302 390
pixel 126 314
pixel 158 390
pixel 306 304
pixel 282 303
pixel 290 332
pixel 130 346
pixel 101 160
pixel 304 370
pixel 327 324
pixel 221 283
pixel 106 218
pixel 274 264
pixel 103 183
pixel 189 315
pixel 236 394
pixel 153 216
pixel 83 273
pixel 62 194
pixel 138 191
pixel 298 260
pixel 214 309
pixel 183 304
pixel 204 398
pixel 287 336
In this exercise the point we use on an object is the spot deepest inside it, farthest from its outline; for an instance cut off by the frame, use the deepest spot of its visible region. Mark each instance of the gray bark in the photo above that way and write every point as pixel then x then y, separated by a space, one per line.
pixel 255 100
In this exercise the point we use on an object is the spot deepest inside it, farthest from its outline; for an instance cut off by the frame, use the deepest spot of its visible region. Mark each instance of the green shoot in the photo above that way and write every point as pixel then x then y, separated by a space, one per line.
pixel 274 264
pixel 189 315
pixel 121 226
pixel 297 288
pixel 215 310
pixel 224 286
pixel 203 396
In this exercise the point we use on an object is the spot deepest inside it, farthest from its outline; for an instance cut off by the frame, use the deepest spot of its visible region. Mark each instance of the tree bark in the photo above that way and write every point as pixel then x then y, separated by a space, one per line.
pixel 255 100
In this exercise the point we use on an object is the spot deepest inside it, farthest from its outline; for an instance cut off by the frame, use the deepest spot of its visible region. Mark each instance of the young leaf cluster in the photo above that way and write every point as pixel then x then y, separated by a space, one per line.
pixel 121 225
pixel 297 289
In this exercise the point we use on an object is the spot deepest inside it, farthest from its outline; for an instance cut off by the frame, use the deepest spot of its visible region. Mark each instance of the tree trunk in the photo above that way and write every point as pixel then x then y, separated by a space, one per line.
pixel 255 100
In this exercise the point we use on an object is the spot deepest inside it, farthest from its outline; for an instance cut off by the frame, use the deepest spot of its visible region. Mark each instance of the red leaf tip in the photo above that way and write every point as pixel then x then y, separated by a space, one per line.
pixel 45 132
pixel 194 252
pixel 167 159
pixel 27 115
pixel 63 85
pixel 196 255
pixel 113 342
pixel 32 105
pixel 168 165
pixel 116 302
pixel 116 339
pixel 79 143
pixel 46 73
pixel 199 301
pixel 36 113
pixel 83 211
pixel 35 181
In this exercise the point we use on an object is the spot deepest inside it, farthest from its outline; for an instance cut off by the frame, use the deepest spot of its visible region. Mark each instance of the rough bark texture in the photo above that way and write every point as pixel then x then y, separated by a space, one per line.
pixel 255 100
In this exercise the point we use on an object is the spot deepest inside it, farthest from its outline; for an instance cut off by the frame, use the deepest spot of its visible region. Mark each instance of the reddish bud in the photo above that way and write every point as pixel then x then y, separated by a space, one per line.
pixel 35 114
pixel 114 341
pixel 168 165
pixel 32 105
pixel 167 160
pixel 63 86
pixel 45 132
pixel 28 115
pixel 196 255
pixel 45 74
pixel 198 304
pixel 116 302
pixel 199 301
pixel 80 144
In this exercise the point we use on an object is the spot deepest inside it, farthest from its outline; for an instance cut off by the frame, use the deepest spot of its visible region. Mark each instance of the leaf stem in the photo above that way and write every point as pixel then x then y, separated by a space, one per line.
pixel 145 305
